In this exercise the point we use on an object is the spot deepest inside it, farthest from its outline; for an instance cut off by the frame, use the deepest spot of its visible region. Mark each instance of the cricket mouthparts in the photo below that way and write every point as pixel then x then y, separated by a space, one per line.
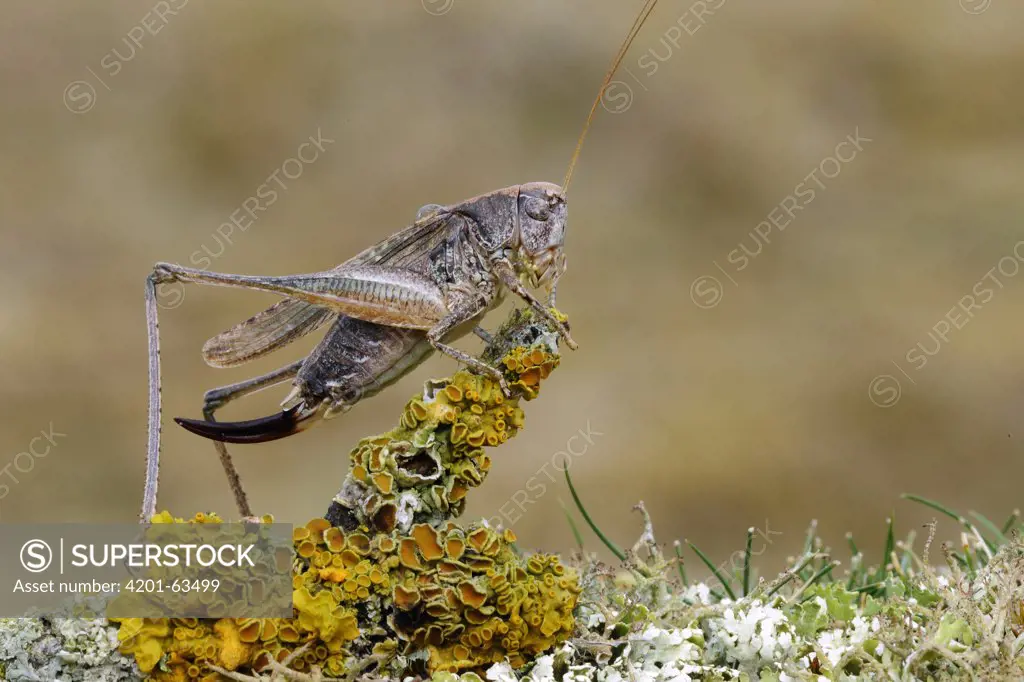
pixel 262 430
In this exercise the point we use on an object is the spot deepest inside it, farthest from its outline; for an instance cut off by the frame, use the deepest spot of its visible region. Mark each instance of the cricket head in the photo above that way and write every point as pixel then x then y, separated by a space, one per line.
pixel 540 234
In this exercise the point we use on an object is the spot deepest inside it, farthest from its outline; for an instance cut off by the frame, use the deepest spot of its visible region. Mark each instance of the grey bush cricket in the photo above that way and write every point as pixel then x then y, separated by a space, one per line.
pixel 388 308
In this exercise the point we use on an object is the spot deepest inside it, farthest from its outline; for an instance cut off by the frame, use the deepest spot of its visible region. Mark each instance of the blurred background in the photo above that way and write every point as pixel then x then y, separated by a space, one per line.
pixel 750 354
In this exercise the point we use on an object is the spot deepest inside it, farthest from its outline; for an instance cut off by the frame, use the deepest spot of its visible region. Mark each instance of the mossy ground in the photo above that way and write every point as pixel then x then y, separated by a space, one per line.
pixel 642 620
pixel 390 586
pixel 905 620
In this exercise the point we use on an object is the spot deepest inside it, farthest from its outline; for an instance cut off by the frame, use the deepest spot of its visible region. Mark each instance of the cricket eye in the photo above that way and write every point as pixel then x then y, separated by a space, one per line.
pixel 538 210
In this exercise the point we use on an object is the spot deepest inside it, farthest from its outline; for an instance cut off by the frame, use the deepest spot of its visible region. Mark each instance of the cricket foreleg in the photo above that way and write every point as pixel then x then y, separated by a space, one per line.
pixel 453 319
pixel 508 277
pixel 552 295
pixel 219 397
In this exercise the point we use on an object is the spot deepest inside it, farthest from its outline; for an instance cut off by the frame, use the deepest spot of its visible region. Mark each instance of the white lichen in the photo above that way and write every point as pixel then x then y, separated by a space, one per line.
pixel 931 624
pixel 62 649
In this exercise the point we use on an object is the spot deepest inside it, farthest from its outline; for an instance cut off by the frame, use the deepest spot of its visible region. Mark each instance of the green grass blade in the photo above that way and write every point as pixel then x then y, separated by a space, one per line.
pixel 855 575
pixel 718 574
pixel 1011 522
pixel 890 545
pixel 992 528
pixel 969 560
pixel 869 588
pixel 950 513
pixel 677 547
pixel 906 559
pixel 682 569
pixel 572 524
pixel 590 522
pixel 890 540
pixel 782 583
pixel 746 562
pixel 817 576
pixel 853 545
pixel 934 505
pixel 792 573
pixel 812 532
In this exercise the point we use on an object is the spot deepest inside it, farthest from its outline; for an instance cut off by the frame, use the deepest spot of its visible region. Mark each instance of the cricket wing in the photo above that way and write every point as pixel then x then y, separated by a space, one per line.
pixel 291 319
pixel 264 332
pixel 409 248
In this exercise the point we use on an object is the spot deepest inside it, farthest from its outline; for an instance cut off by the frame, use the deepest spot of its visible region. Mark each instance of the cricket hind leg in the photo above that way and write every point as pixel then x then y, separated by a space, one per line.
pixel 395 296
pixel 418 306
pixel 217 398
pixel 149 491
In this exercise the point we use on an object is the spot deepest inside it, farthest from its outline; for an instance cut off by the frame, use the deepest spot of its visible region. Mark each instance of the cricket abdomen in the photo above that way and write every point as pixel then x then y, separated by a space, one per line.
pixel 354 360
pixel 357 359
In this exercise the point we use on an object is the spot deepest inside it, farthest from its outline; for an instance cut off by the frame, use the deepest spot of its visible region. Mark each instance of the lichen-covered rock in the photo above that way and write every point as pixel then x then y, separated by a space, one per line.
pixel 398 581
pixel 66 649
pixel 462 596
pixel 422 470
pixel 469 599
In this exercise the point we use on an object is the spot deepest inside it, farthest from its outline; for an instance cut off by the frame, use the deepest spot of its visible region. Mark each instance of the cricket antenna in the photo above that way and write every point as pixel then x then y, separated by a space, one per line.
pixel 619 56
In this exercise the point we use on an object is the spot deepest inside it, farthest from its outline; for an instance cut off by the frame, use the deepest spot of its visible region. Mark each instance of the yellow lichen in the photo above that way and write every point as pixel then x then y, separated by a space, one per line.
pixel 144 639
pixel 394 581
pixel 436 452
pixel 470 614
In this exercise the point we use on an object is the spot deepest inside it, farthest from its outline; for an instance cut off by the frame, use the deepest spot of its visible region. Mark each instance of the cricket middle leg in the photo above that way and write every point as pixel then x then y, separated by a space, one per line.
pixel 462 313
